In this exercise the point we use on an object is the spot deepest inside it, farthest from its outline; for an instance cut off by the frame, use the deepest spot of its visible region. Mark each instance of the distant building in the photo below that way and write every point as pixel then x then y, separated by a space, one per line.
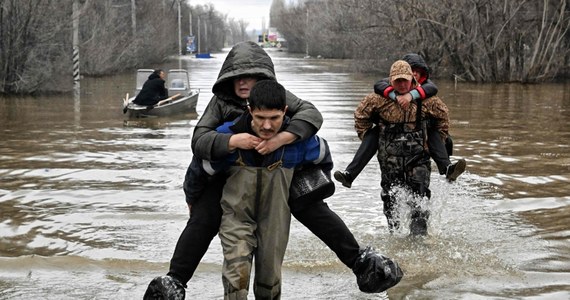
pixel 271 39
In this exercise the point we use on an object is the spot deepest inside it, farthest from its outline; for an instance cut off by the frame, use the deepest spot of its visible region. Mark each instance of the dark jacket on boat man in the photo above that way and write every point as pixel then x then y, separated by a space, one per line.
pixel 153 89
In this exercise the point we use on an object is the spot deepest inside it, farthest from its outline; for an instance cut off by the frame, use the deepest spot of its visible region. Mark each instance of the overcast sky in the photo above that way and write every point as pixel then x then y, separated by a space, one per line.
pixel 251 11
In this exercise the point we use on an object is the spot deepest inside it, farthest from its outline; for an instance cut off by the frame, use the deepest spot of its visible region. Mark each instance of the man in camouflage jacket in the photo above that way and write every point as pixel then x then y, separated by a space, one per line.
pixel 402 150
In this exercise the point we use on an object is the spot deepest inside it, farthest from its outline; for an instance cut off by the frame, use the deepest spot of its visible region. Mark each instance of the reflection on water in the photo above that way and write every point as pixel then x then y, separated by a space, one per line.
pixel 91 203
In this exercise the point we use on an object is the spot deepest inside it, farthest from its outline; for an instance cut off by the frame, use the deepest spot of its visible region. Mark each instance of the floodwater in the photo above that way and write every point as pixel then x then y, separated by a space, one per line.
pixel 91 204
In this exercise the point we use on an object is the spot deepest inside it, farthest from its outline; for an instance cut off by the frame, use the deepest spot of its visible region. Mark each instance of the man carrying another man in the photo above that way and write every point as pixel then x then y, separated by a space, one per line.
pixel 402 146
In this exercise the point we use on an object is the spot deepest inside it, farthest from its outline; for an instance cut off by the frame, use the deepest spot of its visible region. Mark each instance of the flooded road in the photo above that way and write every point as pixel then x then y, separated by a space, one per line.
pixel 91 204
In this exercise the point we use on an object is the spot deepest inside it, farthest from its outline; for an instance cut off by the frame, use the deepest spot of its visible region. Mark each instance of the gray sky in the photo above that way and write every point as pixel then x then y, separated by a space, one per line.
pixel 251 11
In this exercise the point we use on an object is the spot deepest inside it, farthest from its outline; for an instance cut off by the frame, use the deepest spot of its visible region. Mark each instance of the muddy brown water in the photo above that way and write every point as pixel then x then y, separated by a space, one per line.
pixel 91 204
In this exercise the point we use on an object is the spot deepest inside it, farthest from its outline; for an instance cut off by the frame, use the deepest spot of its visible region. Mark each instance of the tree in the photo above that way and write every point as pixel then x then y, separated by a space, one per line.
pixel 34 39
pixel 275 11
pixel 213 28
pixel 237 31
pixel 476 40
pixel 496 40
pixel 114 35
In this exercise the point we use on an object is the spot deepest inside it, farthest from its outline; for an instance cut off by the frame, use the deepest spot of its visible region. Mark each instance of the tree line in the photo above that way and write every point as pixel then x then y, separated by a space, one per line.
pixel 474 40
pixel 114 35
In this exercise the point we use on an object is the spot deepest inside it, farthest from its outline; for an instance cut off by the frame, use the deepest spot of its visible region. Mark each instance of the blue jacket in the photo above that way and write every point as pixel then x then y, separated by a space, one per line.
pixel 313 150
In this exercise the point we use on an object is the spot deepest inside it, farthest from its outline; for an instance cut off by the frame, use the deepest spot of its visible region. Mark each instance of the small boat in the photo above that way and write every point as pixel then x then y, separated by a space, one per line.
pixel 181 100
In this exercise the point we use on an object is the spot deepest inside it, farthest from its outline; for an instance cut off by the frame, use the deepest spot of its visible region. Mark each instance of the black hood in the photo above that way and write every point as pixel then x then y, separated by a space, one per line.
pixel 153 76
pixel 416 61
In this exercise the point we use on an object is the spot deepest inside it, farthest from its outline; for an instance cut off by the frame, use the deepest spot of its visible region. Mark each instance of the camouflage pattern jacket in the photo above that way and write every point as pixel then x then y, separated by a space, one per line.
pixel 377 110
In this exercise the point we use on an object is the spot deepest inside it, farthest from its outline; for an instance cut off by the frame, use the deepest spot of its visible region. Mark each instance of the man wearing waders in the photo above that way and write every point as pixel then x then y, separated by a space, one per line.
pixel 256 217
pixel 245 64
pixel 439 149
pixel 402 148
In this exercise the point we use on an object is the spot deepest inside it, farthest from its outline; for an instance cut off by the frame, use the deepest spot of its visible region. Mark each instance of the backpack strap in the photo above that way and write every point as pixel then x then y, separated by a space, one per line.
pixel 419 114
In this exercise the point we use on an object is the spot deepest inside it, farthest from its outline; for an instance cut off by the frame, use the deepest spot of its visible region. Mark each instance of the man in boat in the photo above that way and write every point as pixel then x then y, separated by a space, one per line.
pixel 245 64
pixel 153 89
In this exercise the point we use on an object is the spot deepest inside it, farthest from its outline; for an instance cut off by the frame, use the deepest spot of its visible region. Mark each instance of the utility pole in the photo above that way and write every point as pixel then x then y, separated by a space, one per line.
pixel 199 40
pixel 76 74
pixel 190 23
pixel 206 36
pixel 134 18
pixel 179 31
pixel 263 29
pixel 307 32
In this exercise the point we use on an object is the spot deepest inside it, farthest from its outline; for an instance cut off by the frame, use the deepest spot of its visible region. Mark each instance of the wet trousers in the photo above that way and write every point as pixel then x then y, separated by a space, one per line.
pixel 204 224
pixel 369 146
pixel 415 178
pixel 255 227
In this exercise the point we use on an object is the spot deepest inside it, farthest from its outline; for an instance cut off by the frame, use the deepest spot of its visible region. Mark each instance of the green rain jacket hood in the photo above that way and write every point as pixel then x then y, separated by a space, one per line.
pixel 245 59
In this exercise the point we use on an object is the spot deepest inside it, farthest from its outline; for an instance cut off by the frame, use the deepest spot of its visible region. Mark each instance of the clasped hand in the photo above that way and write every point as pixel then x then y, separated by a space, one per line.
pixel 404 100
pixel 247 141
pixel 244 141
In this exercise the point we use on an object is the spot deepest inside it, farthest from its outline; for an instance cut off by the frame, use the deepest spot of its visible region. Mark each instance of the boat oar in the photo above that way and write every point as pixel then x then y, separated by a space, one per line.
pixel 126 103
pixel 161 102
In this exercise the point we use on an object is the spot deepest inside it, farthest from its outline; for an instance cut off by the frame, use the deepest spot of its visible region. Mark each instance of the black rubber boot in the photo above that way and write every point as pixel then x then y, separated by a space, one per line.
pixel 165 288
pixel 455 169
pixel 374 272
pixel 343 177
pixel 418 224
